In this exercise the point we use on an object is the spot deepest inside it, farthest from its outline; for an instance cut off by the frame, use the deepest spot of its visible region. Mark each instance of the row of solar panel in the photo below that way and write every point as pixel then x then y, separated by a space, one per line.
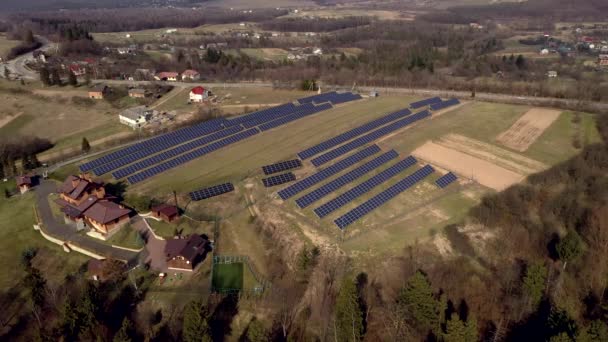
pixel 425 102
pixel 341 165
pixel 365 139
pixel 338 98
pixel 282 166
pixel 355 132
pixel 184 158
pixel 446 180
pixel 343 180
pixel 269 113
pixel 279 179
pixel 269 117
pixel 295 116
pixel 364 187
pixel 444 104
pixel 316 98
pixel 211 191
pixel 167 140
pixel 133 157
pixel 383 197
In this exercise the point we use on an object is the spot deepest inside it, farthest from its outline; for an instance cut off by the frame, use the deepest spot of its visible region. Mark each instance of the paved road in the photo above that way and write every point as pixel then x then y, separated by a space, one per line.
pixel 155 248
pixel 17 66
pixel 67 233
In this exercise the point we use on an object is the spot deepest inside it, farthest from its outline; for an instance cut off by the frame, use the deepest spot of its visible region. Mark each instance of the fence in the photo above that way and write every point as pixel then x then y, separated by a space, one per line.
pixel 262 284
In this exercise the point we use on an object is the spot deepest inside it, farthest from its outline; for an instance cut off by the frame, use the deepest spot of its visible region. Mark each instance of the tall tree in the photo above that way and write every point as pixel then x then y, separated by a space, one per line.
pixel 72 80
pixel 195 327
pixel 460 331
pixel 417 302
pixel 256 332
pixel 55 78
pixel 36 284
pixel 348 314
pixel 569 248
pixel 534 283
pixel 85 146
pixel 45 76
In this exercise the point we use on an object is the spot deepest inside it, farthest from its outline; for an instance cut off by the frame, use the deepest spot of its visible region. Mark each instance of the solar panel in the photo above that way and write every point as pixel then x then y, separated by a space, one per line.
pixel 383 197
pixel 262 115
pixel 319 97
pixel 211 191
pixel 446 180
pixel 282 166
pixel 279 179
pixel 343 164
pixel 365 139
pixel 355 132
pixel 343 180
pixel 426 102
pixel 364 187
pixel 295 116
pixel 444 104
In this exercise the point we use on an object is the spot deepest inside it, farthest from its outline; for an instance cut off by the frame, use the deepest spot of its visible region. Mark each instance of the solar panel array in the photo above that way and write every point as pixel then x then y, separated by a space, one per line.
pixel 316 98
pixel 332 96
pixel 364 187
pixel 424 103
pixel 365 139
pixel 262 115
pixel 295 116
pixel 279 179
pixel 282 166
pixel 211 191
pixel 343 164
pixel 184 158
pixel 383 197
pixel 444 104
pixel 355 132
pixel 260 119
pixel 343 180
pixel 446 180
pixel 166 140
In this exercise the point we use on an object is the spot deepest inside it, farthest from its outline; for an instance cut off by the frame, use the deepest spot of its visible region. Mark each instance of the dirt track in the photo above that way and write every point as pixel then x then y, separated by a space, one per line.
pixel 528 128
pixel 481 171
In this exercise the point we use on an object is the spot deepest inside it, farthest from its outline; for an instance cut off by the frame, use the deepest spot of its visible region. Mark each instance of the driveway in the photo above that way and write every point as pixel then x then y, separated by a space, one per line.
pixel 155 247
pixel 67 233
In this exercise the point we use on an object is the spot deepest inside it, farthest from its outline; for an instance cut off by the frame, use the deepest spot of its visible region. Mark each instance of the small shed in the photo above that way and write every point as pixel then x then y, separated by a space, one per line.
pixel 165 212
pixel 98 92
pixel 24 183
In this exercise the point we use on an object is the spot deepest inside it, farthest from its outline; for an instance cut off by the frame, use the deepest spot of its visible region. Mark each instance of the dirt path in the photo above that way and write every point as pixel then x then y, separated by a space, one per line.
pixel 528 128
pixel 8 119
pixel 482 171
pixel 176 91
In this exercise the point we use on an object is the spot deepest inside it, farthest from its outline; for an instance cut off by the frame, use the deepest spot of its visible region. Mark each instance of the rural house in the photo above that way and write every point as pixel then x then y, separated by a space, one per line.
pixel 185 254
pixel 107 217
pixel 136 117
pixel 24 183
pixel 76 189
pixel 78 69
pixel 137 93
pixel 97 92
pixel 167 76
pixel 198 94
pixel 603 60
pixel 165 212
pixel 191 75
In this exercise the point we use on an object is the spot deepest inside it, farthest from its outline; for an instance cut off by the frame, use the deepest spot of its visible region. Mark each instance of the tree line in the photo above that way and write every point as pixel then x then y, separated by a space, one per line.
pixel 314 25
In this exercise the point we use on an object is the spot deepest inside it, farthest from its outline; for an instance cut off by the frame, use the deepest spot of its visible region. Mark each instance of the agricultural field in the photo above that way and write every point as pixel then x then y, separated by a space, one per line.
pixel 6 45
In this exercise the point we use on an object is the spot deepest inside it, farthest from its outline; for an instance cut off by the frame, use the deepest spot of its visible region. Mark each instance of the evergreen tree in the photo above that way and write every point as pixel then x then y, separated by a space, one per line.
pixel 72 80
pixel 29 37
pixel 7 73
pixel 520 62
pixel 69 321
pixel 36 284
pixel 45 76
pixel 55 78
pixel 534 283
pixel 459 331
pixel 195 327
pixel 256 332
pixel 417 302
pixel 569 248
pixel 596 331
pixel 348 314
pixel 124 334
pixel 85 146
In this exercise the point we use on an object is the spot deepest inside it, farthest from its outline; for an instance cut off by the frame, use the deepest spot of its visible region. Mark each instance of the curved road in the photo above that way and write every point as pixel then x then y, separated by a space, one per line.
pixel 17 66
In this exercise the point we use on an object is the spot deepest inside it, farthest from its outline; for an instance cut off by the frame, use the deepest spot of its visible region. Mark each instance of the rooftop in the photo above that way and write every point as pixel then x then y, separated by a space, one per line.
pixel 106 212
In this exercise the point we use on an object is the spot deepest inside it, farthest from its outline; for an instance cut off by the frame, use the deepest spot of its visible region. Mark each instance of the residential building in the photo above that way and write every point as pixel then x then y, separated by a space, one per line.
pixel 167 76
pixel 78 69
pixel 24 183
pixel 603 60
pixel 136 117
pixel 544 51
pixel 191 75
pixel 137 93
pixel 185 254
pixel 165 212
pixel 552 74
pixel 98 92
pixel 106 217
pixel 198 94
pixel 76 189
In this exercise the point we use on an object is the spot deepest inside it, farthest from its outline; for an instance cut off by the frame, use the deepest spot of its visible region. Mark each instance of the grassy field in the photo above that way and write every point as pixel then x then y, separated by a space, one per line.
pixel 184 226
pixel 228 276
pixel 127 237
pixel 6 45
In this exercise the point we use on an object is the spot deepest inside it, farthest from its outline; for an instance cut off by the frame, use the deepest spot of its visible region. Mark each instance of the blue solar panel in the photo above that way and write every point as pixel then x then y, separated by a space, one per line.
pixel 343 180
pixel 260 119
pixel 335 153
pixel 383 197
pixel 444 104
pixel 295 116
pixel 364 187
pixel 355 132
pixel 332 97
pixel 211 191
pixel 446 180
pixel 167 140
pixel 282 166
pixel 184 158
pixel 262 115
pixel 279 179
pixel 316 98
pixel 343 164
pixel 426 102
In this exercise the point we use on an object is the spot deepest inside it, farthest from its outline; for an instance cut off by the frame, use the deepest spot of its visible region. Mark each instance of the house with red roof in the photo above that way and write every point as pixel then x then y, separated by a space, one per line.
pixel 165 212
pixel 24 183
pixel 167 76
pixel 191 75
pixel 78 69
pixel 198 94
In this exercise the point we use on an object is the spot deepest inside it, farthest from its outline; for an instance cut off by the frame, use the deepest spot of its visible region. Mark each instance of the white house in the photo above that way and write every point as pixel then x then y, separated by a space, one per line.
pixel 136 117
pixel 552 74
pixel 544 51
pixel 317 51
pixel 191 75
pixel 167 76
pixel 198 94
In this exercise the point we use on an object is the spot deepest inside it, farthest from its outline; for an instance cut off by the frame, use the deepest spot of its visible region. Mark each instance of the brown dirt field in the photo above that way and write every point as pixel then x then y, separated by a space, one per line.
pixel 482 171
pixel 7 119
pixel 528 128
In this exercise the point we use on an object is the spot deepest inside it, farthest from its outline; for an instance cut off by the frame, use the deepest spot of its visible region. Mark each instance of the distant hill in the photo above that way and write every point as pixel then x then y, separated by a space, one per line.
pixel 26 5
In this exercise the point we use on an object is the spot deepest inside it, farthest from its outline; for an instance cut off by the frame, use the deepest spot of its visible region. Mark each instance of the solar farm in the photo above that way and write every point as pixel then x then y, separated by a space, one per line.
pixel 373 175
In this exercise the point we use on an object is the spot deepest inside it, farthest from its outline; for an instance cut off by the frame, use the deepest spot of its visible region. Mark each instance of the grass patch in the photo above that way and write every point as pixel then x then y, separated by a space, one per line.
pixel 228 276
pixel 127 237
pixel 184 226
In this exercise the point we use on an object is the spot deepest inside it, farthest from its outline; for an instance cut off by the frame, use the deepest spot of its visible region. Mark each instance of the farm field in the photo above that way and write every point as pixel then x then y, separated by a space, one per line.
pixel 6 45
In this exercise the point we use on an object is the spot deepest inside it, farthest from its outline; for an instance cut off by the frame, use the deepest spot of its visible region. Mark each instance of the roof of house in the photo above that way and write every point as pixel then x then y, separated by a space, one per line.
pixel 135 112
pixel 74 186
pixel 189 248
pixel 99 88
pixel 167 74
pixel 24 180
pixel 106 212
pixel 198 90
pixel 76 67
pixel 167 210
pixel 190 72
